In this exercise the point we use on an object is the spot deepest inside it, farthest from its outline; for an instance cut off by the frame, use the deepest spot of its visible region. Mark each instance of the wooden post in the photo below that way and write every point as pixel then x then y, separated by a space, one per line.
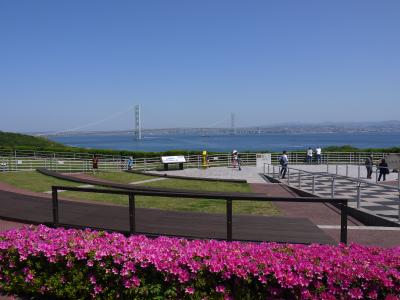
pixel 55 206
pixel 229 220
pixel 343 223
pixel 132 220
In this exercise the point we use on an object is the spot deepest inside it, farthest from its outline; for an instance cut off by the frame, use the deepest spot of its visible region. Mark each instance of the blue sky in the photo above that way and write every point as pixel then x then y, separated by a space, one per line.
pixel 64 64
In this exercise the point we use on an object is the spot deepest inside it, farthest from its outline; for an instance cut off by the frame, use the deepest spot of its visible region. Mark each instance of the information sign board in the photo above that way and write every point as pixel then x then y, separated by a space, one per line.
pixel 173 159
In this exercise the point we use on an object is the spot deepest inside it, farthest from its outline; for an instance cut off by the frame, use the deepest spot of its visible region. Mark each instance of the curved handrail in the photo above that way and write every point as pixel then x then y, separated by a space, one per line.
pixel 137 187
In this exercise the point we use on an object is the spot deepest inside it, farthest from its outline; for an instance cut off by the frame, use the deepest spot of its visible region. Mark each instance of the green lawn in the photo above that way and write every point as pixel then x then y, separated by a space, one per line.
pixel 33 181
pixel 37 182
pixel 182 204
pixel 200 185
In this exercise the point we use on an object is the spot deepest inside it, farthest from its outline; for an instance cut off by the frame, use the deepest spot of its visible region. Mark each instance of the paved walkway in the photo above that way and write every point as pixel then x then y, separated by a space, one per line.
pixel 323 215
pixel 377 199
pixel 319 214
pixel 249 173
pixel 38 210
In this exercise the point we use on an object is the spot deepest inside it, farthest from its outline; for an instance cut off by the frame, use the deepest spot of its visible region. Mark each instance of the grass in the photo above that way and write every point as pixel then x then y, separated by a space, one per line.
pixel 33 181
pixel 181 204
pixel 37 182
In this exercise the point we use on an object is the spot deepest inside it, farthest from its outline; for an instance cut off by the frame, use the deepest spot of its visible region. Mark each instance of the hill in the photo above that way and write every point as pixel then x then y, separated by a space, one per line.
pixel 16 140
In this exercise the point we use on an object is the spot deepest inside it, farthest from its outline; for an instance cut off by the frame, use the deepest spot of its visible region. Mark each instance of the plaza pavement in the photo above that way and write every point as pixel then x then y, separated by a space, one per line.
pixel 249 173
pixel 324 216
pixel 381 199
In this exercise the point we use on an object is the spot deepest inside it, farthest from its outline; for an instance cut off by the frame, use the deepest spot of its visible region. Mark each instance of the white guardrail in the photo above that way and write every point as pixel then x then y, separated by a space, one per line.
pixel 26 160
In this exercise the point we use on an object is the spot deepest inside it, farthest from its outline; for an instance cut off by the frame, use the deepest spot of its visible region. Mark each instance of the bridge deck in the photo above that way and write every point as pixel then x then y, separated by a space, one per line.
pixel 31 209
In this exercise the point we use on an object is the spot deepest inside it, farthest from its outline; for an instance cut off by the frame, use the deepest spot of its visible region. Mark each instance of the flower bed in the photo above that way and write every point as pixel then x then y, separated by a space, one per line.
pixel 77 264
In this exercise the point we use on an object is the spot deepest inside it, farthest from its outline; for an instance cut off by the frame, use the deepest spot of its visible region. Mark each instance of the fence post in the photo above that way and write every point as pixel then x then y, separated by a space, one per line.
pixel 343 222
pixel 399 208
pixel 398 179
pixel 359 194
pixel 273 170
pixel 229 220
pixel 347 170
pixel 132 221
pixel 336 168
pixel 313 185
pixel 55 205
pixel 358 170
pixel 333 188
pixel 299 179
pixel 288 176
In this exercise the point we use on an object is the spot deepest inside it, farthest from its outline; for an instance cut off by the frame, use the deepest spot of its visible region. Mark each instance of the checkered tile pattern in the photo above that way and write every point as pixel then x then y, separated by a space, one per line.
pixel 375 199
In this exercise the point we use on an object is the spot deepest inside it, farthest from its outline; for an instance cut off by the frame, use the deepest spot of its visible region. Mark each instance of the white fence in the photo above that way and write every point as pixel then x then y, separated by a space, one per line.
pixel 25 160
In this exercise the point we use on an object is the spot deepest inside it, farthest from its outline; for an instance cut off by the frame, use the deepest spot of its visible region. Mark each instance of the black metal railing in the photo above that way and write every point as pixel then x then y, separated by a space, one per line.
pixel 228 197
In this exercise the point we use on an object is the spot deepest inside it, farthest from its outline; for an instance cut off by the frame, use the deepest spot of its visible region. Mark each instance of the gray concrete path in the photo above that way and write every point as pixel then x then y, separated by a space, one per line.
pixel 249 173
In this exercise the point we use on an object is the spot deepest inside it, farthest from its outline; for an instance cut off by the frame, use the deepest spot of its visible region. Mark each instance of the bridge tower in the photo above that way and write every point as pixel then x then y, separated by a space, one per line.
pixel 233 126
pixel 138 123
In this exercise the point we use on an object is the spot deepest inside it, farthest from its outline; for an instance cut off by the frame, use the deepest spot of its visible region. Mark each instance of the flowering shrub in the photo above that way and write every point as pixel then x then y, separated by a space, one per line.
pixel 74 264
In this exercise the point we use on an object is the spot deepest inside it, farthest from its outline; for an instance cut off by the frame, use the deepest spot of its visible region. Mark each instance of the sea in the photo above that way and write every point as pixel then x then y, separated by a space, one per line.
pixel 227 143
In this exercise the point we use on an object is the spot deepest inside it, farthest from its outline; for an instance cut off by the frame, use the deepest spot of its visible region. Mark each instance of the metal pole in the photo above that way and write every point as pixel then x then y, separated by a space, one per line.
pixel 268 169
pixel 358 170
pixel 343 223
pixel 288 176
pixel 132 221
pixel 347 170
pixel 333 187
pixel 273 170
pixel 376 175
pixel 299 179
pixel 55 205
pixel 398 179
pixel 229 220
pixel 336 169
pixel 359 194
pixel 399 209
pixel 313 185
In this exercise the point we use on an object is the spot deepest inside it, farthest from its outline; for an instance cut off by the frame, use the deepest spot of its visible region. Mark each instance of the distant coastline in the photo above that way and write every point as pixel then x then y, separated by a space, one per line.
pixel 222 143
pixel 319 128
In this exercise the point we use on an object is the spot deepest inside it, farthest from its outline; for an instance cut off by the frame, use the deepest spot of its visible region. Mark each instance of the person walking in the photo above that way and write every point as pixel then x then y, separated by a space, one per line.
pixel 368 164
pixel 236 160
pixel 309 155
pixel 95 164
pixel 383 169
pixel 130 163
pixel 283 161
pixel 318 151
